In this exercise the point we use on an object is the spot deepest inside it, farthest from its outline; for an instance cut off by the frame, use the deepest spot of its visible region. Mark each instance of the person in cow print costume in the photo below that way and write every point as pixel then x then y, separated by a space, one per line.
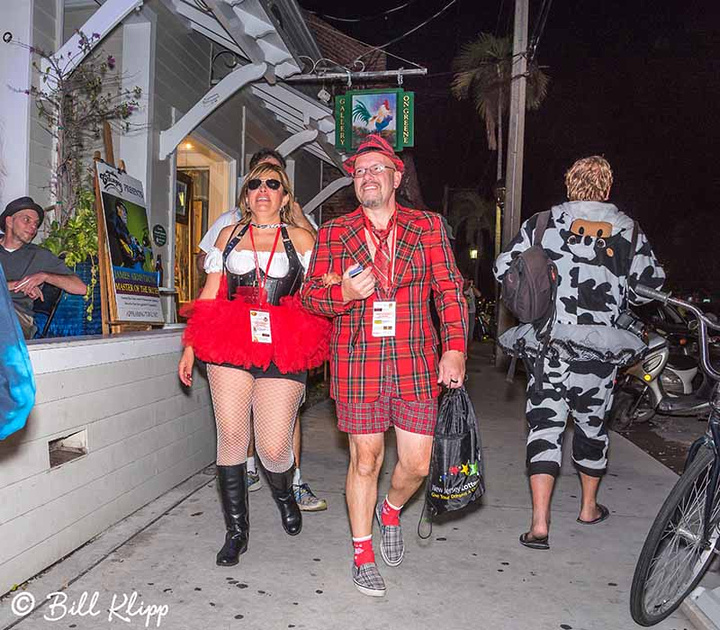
pixel 590 242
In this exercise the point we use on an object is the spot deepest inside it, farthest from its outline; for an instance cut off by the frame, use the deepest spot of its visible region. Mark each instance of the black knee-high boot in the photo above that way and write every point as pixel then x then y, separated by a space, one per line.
pixel 234 497
pixel 282 491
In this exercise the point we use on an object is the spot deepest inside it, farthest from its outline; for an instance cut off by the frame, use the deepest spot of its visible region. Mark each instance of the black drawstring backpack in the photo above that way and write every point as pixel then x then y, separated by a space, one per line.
pixel 457 475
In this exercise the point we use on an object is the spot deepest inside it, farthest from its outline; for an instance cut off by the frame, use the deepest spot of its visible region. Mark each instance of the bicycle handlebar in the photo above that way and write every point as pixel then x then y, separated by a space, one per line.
pixel 651 294
pixel 703 324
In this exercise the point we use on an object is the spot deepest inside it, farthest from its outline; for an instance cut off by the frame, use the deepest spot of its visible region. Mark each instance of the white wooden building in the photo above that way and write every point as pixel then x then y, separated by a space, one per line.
pixel 118 399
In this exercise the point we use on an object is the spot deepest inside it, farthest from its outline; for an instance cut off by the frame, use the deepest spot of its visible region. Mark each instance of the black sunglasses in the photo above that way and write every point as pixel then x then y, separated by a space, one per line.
pixel 272 184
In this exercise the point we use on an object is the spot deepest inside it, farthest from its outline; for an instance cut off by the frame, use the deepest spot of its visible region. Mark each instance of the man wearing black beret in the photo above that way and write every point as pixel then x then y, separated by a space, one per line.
pixel 27 267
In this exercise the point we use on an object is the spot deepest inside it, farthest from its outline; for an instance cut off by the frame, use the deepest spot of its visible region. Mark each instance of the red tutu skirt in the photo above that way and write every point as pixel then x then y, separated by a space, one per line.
pixel 219 332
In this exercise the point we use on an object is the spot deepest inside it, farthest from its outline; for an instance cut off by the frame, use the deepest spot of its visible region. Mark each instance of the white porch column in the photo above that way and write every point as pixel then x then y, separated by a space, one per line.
pixel 138 61
pixel 15 107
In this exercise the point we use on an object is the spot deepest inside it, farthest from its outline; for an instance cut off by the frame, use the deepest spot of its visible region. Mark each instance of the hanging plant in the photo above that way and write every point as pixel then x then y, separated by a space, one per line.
pixel 73 103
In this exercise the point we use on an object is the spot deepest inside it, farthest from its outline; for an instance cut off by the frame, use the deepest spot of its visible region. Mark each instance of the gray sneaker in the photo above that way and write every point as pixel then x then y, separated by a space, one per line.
pixel 253 480
pixel 367 579
pixel 306 499
pixel 392 547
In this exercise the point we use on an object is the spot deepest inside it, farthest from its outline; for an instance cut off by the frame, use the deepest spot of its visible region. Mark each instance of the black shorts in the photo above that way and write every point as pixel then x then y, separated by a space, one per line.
pixel 271 372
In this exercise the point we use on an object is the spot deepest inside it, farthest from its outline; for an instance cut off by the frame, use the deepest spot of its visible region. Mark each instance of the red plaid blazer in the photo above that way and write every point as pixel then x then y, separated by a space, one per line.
pixel 424 263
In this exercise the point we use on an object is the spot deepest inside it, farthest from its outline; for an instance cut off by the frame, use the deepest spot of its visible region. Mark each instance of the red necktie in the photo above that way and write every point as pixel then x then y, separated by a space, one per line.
pixel 382 263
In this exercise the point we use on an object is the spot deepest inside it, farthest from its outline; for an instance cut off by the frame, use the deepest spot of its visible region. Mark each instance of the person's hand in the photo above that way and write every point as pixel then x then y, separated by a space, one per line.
pixel 30 285
pixel 358 288
pixel 331 278
pixel 452 369
pixel 35 294
pixel 185 367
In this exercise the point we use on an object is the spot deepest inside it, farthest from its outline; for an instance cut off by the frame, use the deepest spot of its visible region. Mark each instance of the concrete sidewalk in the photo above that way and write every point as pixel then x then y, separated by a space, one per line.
pixel 471 572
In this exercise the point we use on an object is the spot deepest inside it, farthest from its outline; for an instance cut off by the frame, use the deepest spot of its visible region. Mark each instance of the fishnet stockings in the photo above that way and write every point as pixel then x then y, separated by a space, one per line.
pixel 273 402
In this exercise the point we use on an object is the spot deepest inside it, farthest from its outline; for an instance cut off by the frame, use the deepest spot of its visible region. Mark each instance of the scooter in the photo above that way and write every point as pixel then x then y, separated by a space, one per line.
pixel 660 383
pixel 484 319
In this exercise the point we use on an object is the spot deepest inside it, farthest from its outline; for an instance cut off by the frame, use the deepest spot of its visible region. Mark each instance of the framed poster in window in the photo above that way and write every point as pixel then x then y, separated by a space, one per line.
pixel 183 197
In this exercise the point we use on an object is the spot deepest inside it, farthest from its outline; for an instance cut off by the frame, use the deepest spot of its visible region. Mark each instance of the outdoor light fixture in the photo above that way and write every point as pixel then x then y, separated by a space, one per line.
pixel 473 254
pixel 188 145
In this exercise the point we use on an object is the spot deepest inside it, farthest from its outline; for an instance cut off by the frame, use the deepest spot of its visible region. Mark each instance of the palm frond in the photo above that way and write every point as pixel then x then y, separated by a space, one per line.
pixel 483 74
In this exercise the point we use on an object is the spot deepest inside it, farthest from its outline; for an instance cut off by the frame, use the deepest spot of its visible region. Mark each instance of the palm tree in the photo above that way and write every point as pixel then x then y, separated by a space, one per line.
pixel 483 73
pixel 472 219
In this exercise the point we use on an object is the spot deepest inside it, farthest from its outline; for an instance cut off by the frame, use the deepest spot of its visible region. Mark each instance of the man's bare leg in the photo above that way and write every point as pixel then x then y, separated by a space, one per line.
pixel 366 458
pixel 414 450
pixel 541 488
pixel 589 510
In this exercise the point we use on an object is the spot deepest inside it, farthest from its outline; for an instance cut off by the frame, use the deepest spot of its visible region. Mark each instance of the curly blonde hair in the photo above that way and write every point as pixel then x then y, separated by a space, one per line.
pixel 261 171
pixel 589 179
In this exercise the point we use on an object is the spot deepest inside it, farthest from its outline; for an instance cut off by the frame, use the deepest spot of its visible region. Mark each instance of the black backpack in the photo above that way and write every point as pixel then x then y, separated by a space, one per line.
pixel 530 284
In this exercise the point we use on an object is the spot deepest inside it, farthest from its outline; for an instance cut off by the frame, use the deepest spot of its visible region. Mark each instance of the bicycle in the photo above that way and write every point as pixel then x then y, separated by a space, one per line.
pixel 683 538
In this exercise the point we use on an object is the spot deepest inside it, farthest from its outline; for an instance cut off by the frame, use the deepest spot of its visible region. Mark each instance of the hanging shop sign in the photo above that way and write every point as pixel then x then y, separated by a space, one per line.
pixel 387 112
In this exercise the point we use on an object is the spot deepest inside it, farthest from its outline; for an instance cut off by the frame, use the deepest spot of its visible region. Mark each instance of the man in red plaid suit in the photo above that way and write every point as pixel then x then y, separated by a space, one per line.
pixel 384 367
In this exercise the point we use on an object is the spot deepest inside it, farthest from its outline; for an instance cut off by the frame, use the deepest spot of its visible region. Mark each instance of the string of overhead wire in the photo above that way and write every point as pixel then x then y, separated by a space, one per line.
pixel 539 29
pixel 364 18
pixel 499 17
pixel 412 30
pixel 333 30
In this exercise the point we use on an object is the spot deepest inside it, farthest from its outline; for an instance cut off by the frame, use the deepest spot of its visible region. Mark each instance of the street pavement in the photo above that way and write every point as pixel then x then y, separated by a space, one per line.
pixel 471 572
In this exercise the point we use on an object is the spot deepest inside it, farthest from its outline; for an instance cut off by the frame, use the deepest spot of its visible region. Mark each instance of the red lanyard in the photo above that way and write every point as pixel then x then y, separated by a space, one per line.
pixel 263 280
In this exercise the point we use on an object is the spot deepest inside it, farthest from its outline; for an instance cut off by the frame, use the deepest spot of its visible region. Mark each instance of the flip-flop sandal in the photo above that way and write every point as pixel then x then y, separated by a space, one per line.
pixel 529 541
pixel 604 514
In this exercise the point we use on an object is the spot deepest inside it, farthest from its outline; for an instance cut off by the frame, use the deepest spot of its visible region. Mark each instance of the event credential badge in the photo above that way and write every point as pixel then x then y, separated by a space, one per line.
pixel 384 319
pixel 260 327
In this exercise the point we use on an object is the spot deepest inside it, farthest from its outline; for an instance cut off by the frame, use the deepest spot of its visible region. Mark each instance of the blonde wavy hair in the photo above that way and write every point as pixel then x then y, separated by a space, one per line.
pixel 261 171
pixel 589 179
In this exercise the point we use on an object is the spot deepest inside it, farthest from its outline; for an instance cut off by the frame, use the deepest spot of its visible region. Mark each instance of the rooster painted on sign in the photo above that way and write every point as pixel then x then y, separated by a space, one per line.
pixel 374 122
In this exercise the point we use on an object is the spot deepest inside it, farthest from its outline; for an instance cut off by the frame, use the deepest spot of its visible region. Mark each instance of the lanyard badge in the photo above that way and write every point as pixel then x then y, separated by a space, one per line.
pixel 260 329
pixel 384 318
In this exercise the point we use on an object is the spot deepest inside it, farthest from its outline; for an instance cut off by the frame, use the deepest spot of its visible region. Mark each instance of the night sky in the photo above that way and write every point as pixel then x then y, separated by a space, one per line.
pixel 638 82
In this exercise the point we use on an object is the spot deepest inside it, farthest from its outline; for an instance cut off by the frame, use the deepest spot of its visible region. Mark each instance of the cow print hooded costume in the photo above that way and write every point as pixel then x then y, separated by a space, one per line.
pixel 589 242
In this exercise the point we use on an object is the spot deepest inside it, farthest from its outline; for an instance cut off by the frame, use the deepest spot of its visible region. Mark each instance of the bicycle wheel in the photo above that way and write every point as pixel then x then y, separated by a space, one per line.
pixel 673 558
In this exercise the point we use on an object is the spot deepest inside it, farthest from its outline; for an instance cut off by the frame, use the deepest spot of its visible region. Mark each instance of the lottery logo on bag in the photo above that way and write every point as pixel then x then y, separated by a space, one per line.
pixel 458 482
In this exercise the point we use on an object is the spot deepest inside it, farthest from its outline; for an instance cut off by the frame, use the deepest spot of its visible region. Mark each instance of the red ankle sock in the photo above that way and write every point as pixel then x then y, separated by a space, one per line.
pixel 363 551
pixel 390 514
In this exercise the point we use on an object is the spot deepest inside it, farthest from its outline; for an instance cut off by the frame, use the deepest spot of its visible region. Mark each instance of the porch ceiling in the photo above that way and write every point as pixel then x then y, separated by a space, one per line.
pixel 249 31
pixel 242 27
pixel 297 112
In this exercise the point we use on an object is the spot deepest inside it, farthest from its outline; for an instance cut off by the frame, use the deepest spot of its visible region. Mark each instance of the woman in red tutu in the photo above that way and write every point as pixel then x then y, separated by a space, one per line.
pixel 258 342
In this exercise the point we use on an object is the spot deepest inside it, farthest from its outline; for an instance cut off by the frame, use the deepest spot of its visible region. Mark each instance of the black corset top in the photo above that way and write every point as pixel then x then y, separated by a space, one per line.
pixel 276 288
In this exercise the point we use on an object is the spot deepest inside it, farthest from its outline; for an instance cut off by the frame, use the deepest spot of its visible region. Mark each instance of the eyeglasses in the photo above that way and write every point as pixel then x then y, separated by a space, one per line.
pixel 375 169
pixel 272 184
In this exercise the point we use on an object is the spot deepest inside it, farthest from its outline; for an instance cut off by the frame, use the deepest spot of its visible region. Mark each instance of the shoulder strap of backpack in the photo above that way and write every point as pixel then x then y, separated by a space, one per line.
pixel 633 244
pixel 631 257
pixel 543 218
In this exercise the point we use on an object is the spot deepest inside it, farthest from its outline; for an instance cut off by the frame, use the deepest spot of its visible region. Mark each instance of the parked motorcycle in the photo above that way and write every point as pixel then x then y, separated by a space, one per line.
pixel 664 382
pixel 484 319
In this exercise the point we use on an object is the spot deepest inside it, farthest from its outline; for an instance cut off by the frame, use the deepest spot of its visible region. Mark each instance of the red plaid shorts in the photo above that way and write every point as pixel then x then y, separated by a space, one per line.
pixel 414 416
